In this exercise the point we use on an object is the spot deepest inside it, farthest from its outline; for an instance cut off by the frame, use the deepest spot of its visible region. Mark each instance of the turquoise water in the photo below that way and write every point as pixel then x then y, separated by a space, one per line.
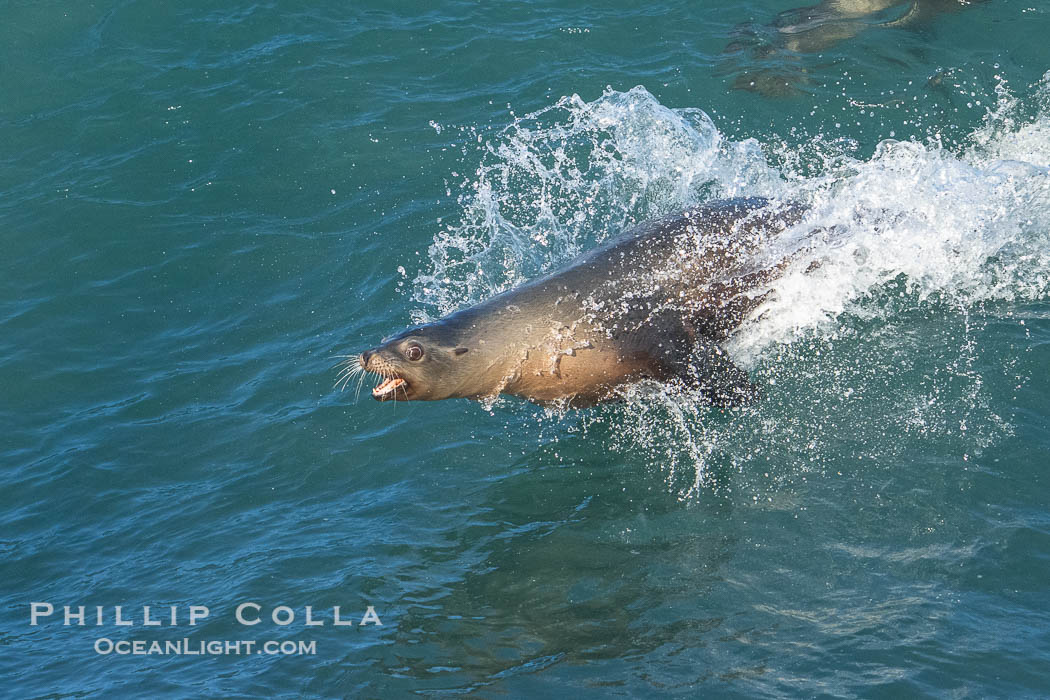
pixel 202 208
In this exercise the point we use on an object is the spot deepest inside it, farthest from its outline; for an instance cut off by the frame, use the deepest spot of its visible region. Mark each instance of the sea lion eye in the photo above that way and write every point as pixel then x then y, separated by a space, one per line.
pixel 414 352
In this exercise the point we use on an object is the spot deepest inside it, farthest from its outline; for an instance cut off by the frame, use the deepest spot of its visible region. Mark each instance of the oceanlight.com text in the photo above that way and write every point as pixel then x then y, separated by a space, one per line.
pixel 214 647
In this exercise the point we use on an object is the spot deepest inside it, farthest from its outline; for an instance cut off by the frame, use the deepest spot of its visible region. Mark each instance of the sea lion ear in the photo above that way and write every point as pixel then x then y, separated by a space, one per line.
pixel 460 351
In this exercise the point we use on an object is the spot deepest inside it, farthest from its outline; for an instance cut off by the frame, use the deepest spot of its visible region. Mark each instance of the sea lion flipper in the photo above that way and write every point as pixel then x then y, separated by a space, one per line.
pixel 699 362
pixel 719 380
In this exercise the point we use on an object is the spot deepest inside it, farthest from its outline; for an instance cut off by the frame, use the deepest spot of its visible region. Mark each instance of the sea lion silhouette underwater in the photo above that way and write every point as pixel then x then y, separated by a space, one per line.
pixel 655 302
pixel 774 50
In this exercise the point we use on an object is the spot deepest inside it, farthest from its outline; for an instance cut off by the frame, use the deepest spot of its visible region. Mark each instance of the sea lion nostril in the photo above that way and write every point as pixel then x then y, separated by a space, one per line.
pixel 365 357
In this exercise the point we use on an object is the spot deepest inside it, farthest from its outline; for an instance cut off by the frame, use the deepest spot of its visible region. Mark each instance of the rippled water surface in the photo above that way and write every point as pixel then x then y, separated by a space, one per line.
pixel 204 206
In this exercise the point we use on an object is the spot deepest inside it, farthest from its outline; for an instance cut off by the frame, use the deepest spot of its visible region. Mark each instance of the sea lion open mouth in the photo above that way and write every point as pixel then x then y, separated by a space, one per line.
pixel 389 388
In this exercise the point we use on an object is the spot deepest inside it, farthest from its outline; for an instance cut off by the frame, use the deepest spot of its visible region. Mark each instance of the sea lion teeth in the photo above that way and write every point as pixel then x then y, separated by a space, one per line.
pixel 387 386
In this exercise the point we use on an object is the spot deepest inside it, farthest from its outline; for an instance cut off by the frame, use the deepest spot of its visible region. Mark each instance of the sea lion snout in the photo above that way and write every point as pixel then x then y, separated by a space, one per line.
pixel 392 385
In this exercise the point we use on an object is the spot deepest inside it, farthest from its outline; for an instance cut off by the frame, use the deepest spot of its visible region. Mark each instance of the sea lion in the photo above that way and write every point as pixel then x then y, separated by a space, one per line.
pixel 775 49
pixel 652 303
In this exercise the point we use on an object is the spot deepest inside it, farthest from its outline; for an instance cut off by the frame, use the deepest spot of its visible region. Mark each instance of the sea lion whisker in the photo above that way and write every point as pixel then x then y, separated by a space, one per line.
pixel 357 392
pixel 339 379
pixel 350 374
pixel 346 374
pixel 350 360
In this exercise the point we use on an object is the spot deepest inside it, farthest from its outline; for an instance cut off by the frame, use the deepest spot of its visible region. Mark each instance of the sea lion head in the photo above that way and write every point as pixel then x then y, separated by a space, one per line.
pixel 420 364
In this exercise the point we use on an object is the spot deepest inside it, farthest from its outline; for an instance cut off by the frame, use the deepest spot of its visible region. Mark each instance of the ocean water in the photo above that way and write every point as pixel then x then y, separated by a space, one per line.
pixel 203 207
